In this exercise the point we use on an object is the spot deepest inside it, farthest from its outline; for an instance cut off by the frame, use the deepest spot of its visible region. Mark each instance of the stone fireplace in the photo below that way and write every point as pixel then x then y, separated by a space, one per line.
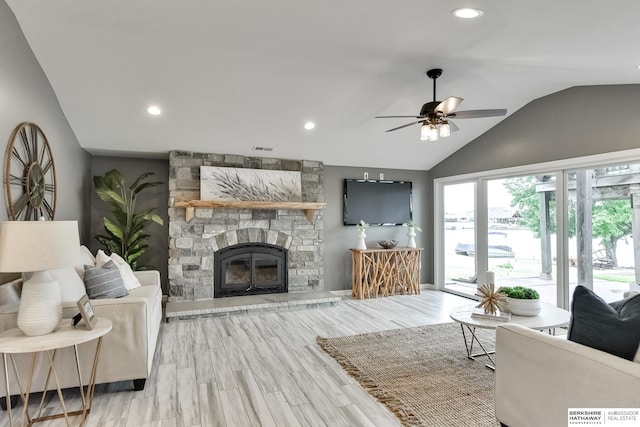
pixel 283 249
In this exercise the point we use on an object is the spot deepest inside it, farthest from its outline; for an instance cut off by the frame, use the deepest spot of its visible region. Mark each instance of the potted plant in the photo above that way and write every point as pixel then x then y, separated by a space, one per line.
pixel 521 301
pixel 411 227
pixel 125 232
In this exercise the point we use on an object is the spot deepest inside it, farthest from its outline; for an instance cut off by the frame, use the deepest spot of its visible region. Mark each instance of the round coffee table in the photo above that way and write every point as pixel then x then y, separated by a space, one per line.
pixel 550 317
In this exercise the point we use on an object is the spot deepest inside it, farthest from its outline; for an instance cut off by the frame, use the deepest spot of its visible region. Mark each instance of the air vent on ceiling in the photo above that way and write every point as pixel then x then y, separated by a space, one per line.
pixel 258 148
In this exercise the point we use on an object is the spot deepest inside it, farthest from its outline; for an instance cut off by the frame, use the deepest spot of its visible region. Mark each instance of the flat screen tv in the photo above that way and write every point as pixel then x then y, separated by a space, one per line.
pixel 376 202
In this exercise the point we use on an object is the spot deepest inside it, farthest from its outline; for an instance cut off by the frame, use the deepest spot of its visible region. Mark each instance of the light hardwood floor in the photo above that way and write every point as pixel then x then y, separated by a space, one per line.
pixel 260 370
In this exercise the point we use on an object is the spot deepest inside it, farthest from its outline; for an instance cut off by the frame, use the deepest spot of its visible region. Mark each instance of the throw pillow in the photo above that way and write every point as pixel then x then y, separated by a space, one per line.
pixel 614 328
pixel 101 258
pixel 104 282
pixel 130 280
pixel 86 258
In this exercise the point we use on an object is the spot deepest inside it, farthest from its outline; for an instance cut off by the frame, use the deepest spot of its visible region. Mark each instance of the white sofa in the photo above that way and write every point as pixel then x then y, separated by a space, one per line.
pixel 127 351
pixel 539 377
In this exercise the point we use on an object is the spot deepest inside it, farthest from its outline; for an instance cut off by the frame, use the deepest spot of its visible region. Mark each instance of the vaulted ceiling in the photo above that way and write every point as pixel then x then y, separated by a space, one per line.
pixel 230 75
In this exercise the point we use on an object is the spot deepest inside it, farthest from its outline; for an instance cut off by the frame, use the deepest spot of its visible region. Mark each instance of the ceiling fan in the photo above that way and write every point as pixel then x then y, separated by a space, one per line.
pixel 436 116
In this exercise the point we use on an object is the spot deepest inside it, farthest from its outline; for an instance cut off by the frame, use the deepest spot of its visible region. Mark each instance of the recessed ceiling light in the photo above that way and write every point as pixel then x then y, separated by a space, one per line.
pixel 309 125
pixel 154 110
pixel 467 12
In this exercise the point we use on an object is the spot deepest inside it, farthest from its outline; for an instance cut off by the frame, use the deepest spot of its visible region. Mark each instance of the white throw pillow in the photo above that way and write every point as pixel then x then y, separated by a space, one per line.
pixel 86 258
pixel 101 258
pixel 130 280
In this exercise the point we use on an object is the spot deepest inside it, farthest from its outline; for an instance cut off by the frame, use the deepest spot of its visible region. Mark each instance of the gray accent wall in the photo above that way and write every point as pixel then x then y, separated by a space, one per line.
pixel 338 238
pixel 158 197
pixel 26 95
pixel 576 122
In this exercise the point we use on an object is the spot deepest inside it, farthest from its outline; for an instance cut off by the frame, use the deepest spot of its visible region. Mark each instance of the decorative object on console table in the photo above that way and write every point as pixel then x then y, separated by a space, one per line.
pixel 362 226
pixel 411 227
pixel 125 234
pixel 521 301
pixel 388 244
pixel 36 247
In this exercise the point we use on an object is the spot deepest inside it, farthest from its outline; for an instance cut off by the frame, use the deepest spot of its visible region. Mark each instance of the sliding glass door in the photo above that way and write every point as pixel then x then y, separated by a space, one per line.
pixel 521 233
pixel 547 228
pixel 459 238
pixel 604 220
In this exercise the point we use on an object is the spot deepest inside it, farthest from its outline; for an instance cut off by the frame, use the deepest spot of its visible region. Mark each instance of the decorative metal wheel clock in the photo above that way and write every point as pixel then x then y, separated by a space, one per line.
pixel 29 175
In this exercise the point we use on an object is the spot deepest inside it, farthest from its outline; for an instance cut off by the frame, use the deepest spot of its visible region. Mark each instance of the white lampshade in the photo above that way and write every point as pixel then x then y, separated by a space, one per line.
pixel 36 247
pixel 27 246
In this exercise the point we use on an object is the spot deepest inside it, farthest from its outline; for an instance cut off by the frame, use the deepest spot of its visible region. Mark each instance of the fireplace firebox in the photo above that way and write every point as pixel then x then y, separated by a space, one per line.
pixel 250 269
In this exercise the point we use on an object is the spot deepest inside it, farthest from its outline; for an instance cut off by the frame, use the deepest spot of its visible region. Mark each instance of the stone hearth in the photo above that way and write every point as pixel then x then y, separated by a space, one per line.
pixel 192 244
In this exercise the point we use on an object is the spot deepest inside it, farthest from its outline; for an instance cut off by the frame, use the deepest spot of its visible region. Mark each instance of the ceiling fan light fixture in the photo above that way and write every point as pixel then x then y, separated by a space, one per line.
pixel 467 13
pixel 433 133
pixel 445 130
pixel 424 132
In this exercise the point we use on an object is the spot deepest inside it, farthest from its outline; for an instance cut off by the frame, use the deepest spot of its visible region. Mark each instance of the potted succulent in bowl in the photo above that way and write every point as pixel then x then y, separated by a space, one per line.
pixel 521 301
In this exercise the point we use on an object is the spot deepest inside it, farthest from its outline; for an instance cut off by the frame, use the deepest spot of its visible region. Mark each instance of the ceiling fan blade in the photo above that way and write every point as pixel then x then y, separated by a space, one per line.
pixel 452 126
pixel 448 105
pixel 398 117
pixel 404 126
pixel 474 114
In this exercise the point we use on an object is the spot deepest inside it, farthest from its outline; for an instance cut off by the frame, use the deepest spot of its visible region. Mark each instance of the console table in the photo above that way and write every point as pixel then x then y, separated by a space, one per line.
pixel 385 272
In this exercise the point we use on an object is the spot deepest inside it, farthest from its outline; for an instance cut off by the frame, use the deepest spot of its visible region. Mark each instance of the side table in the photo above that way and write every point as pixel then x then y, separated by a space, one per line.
pixel 13 341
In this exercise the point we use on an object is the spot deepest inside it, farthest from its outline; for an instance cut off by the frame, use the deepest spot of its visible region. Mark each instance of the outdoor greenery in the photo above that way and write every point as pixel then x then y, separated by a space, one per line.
pixel 611 278
pixel 125 230
pixel 611 219
pixel 506 266
pixel 519 292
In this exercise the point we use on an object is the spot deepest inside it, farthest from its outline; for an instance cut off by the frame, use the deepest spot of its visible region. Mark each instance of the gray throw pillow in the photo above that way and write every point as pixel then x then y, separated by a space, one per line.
pixel 614 328
pixel 104 282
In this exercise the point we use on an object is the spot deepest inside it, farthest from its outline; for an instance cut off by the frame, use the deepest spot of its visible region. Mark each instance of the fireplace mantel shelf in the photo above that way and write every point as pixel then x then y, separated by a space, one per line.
pixel 309 208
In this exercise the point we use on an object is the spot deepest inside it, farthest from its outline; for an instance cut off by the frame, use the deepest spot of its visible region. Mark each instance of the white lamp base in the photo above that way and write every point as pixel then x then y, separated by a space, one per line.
pixel 40 309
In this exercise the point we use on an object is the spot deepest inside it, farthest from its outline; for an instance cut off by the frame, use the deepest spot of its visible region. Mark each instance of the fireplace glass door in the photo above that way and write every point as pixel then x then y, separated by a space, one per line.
pixel 250 269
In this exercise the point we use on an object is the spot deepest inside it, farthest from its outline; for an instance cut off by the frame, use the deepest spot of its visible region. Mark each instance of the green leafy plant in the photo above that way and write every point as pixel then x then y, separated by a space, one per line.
pixel 519 292
pixel 125 230
pixel 362 226
pixel 410 223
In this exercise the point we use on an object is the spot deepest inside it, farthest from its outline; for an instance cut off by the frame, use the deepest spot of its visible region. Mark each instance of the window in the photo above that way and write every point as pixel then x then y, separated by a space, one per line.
pixel 550 226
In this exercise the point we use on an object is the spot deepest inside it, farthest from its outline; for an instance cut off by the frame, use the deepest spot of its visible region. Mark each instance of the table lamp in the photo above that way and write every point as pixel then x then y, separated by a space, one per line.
pixel 36 247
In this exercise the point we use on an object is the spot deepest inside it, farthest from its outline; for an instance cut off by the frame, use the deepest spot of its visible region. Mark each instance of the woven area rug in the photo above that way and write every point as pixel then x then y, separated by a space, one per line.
pixel 421 374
